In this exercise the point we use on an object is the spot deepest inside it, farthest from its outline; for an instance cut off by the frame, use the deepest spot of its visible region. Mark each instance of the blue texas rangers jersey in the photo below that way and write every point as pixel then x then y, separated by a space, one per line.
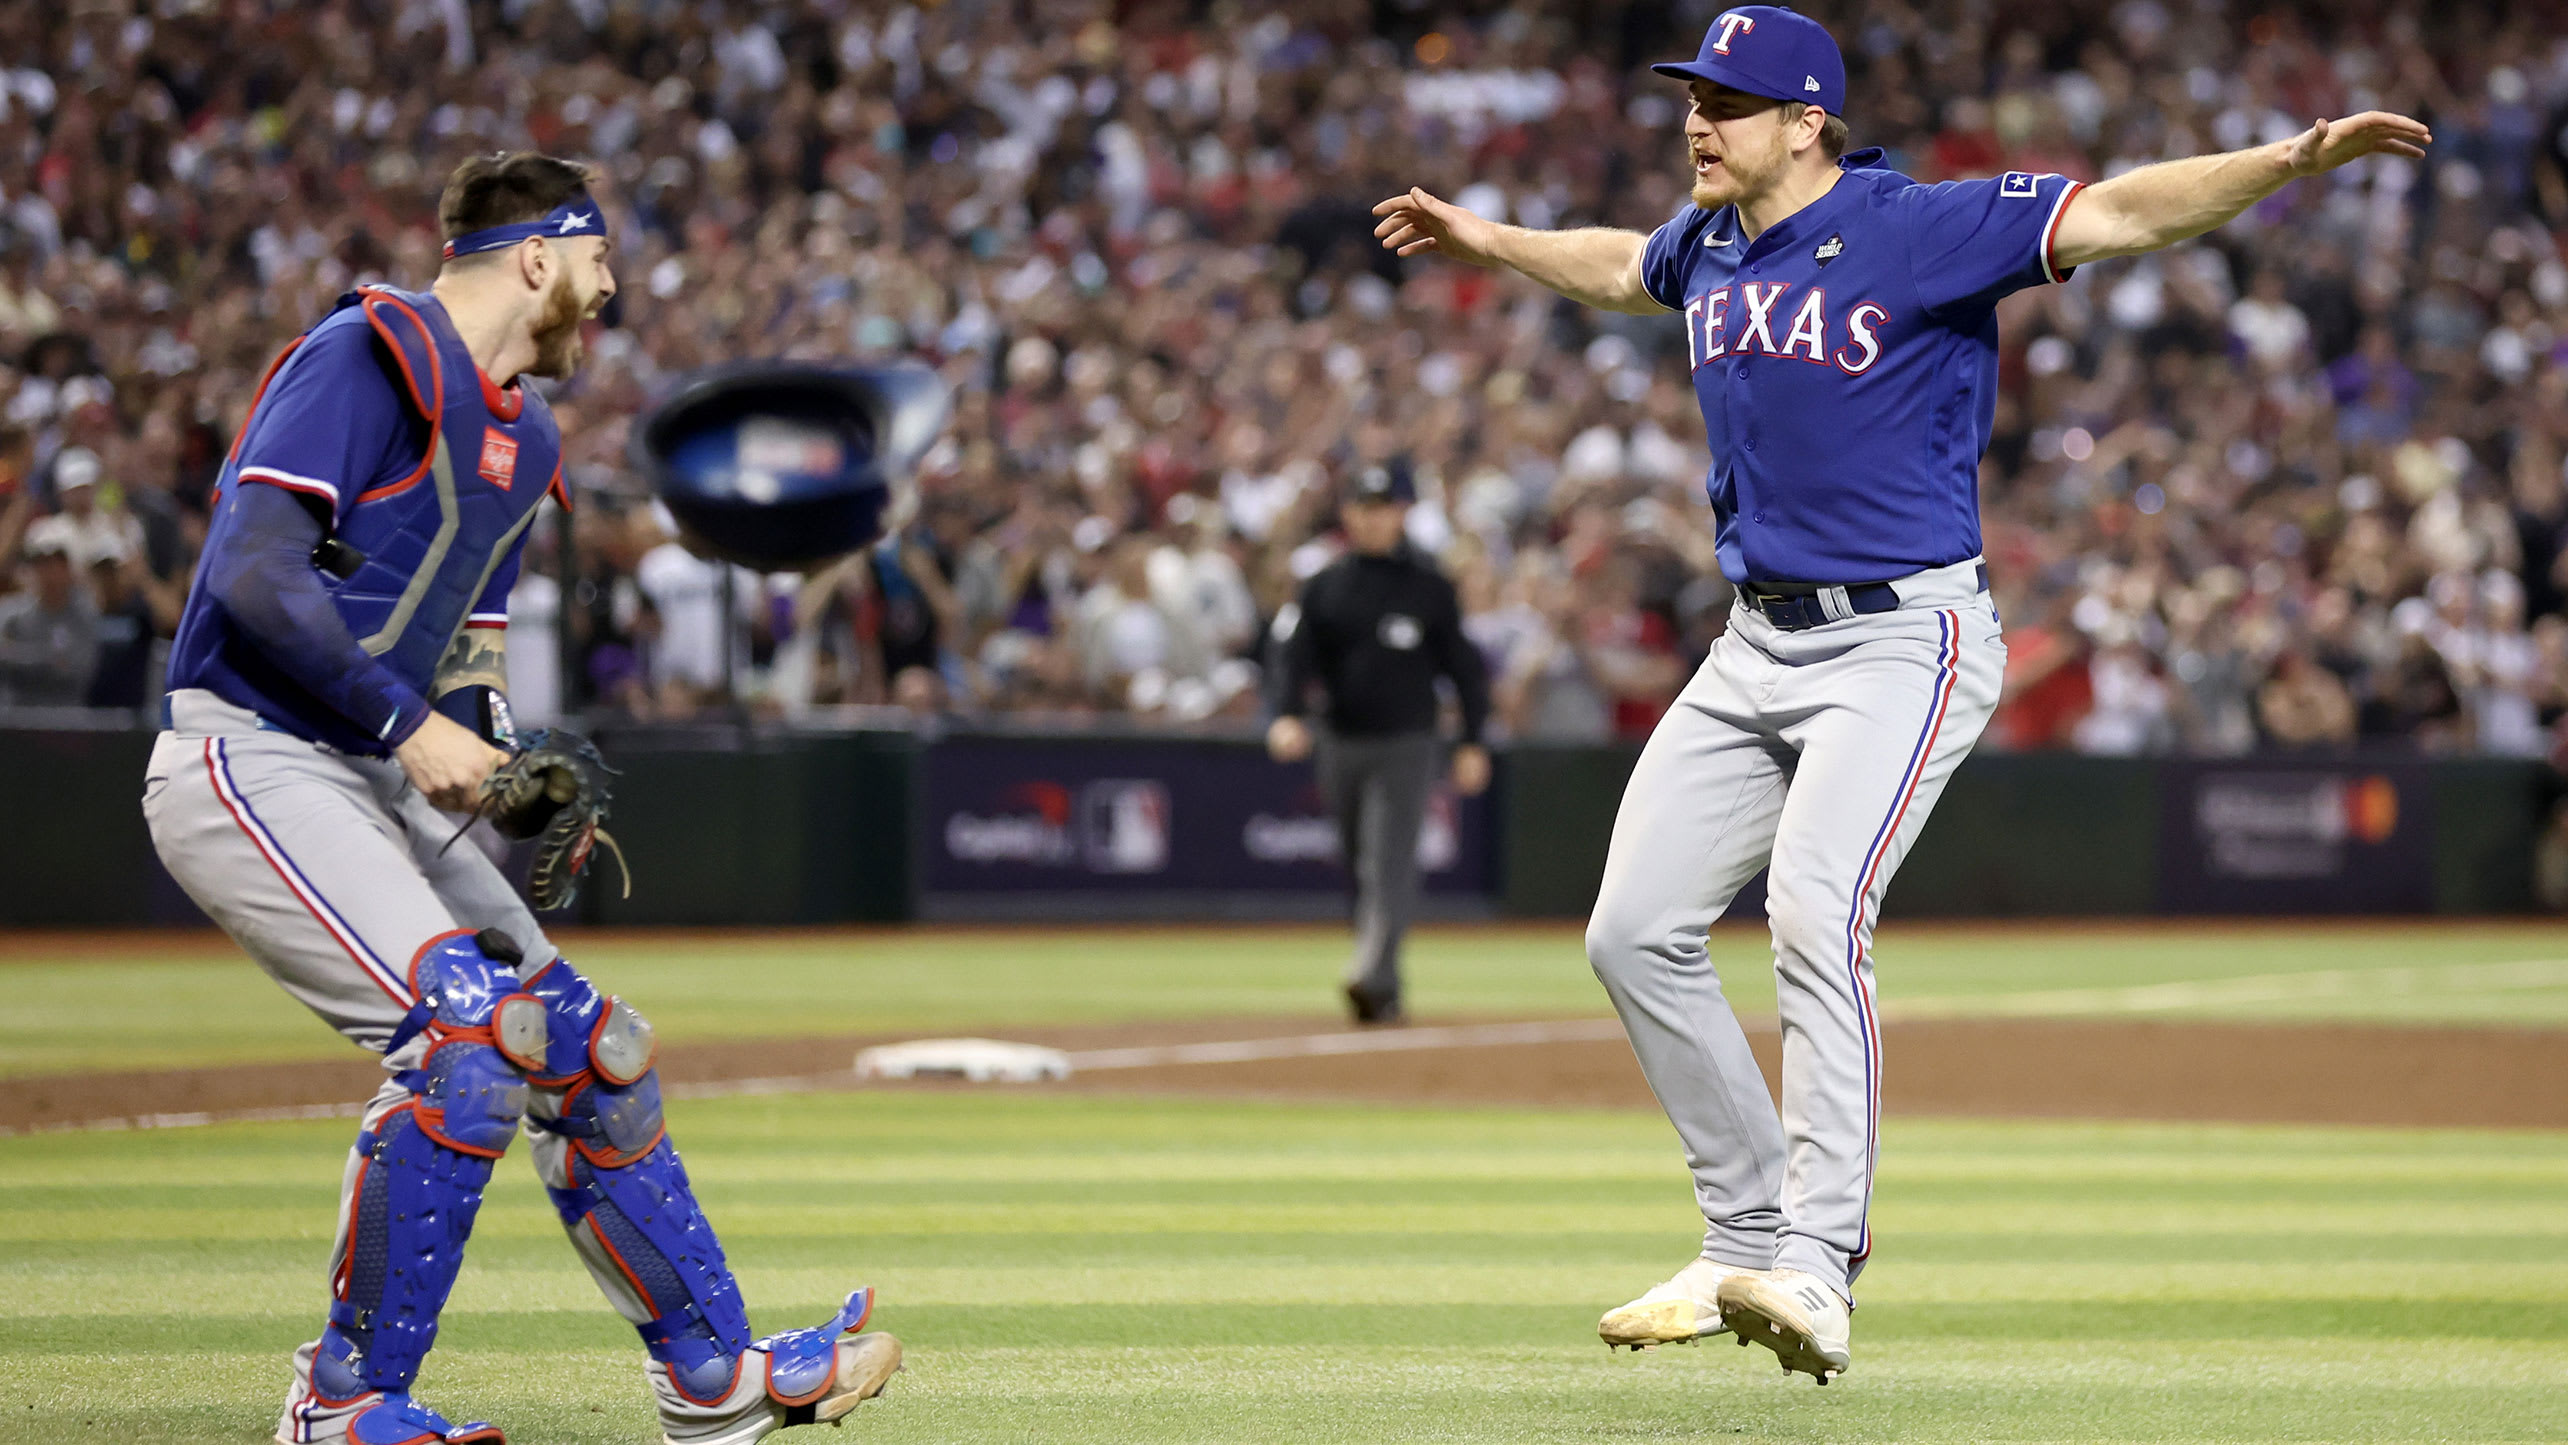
pixel 430 476
pixel 1846 363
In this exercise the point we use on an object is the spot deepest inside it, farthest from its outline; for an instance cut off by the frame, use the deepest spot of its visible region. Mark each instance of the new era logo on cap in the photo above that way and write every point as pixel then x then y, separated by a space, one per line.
pixel 1810 82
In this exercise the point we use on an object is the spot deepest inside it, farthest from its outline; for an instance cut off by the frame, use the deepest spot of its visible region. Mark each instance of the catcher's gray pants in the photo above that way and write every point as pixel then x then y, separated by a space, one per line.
pixel 1822 750
pixel 327 870
pixel 1377 788
pixel 324 867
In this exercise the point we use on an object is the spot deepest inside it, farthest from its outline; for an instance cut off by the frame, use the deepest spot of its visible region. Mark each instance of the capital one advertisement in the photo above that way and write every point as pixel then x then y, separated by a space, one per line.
pixel 2255 836
pixel 1026 815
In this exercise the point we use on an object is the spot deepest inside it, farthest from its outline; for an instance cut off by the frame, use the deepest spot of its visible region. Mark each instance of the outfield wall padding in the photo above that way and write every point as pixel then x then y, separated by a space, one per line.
pixel 74 849
pixel 735 826
pixel 749 825
pixel 2022 834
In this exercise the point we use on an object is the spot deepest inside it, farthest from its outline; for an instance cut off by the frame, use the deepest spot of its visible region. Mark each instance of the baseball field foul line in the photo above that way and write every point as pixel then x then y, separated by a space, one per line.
pixel 2250 988
pixel 1312 1046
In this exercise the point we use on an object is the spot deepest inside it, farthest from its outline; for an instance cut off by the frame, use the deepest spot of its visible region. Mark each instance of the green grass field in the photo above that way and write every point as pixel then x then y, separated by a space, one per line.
pixel 1104 1270
pixel 1139 1271
pixel 185 1000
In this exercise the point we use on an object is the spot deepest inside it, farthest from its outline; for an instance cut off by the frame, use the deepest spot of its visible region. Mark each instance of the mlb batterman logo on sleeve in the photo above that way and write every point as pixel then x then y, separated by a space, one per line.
pixel 1770 51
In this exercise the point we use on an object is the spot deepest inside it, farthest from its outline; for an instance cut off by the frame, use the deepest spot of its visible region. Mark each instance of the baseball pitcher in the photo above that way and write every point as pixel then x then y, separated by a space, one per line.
pixel 335 683
pixel 1840 321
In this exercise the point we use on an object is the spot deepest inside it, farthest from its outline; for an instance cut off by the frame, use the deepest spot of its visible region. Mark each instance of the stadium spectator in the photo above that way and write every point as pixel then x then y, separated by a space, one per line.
pixel 49 631
pixel 1133 239
pixel 134 610
pixel 2304 705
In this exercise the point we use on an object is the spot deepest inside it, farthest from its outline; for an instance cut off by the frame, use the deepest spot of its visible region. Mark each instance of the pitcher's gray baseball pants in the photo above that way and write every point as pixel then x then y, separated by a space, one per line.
pixel 1377 788
pixel 1821 750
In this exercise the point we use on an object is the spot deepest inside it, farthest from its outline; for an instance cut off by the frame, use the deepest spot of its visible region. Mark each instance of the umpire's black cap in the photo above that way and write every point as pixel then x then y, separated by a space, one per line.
pixel 1388 482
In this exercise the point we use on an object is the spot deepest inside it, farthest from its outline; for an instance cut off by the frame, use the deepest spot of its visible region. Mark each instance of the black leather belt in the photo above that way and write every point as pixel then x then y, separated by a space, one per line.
pixel 1796 606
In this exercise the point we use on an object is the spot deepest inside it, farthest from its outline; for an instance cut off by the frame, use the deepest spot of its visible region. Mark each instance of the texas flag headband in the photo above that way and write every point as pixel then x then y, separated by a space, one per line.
pixel 578 216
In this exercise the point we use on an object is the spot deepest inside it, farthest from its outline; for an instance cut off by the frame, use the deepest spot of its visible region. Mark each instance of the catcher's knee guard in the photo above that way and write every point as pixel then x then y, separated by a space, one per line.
pixel 422 1166
pixel 623 1194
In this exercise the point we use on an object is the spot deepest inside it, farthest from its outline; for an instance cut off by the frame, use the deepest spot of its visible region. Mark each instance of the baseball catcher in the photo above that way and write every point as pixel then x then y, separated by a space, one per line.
pixel 337 691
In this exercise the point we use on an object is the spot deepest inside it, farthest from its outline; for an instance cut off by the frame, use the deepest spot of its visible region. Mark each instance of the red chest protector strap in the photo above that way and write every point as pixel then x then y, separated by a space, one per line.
pixel 413 347
pixel 406 335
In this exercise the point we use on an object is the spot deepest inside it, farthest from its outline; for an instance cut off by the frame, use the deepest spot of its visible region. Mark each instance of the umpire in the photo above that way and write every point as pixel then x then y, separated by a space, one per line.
pixel 1375 629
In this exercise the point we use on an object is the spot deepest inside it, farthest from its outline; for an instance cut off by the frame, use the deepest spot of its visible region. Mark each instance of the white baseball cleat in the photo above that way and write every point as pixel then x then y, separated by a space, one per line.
pixel 1791 1313
pixel 1680 1311
pixel 795 1377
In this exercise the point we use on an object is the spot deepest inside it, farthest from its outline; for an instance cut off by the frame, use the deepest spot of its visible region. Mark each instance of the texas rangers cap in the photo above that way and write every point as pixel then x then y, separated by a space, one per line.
pixel 1771 51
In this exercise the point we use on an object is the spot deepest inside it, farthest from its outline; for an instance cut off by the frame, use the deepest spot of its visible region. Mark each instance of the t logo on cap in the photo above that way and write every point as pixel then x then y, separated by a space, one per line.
pixel 1795 58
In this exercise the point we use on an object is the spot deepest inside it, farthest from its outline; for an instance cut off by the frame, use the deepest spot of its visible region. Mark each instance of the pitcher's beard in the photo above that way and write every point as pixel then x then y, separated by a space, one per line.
pixel 557 332
pixel 1742 177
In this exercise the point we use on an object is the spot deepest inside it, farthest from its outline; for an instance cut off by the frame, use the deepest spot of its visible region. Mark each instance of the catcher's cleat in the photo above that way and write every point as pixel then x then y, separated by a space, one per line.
pixel 798 1377
pixel 383 1419
pixel 1680 1311
pixel 1791 1313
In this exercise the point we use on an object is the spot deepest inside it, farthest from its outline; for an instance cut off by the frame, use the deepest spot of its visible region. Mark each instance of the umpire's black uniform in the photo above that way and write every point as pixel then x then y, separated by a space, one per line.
pixel 1375 632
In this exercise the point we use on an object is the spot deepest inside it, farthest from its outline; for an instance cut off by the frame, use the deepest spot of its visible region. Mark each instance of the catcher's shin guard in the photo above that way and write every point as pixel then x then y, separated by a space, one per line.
pixel 623 1194
pixel 416 1180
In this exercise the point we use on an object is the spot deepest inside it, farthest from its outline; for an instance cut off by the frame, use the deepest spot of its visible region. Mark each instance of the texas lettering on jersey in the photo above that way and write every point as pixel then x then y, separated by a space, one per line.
pixel 1807 335
pixel 1846 363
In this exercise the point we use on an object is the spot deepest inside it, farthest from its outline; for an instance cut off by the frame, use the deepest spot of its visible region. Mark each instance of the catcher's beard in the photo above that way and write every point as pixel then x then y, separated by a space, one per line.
pixel 557 331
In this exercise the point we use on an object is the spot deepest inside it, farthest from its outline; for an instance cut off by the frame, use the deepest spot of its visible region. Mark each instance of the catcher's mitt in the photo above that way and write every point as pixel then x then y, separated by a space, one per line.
pixel 553 789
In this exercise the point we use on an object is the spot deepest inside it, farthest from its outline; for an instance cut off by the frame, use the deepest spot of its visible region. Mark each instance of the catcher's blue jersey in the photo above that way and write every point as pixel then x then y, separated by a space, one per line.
pixel 1846 363
pixel 430 477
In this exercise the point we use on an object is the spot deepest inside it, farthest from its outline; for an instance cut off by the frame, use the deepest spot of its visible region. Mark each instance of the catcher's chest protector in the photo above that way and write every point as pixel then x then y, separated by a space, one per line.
pixel 430 541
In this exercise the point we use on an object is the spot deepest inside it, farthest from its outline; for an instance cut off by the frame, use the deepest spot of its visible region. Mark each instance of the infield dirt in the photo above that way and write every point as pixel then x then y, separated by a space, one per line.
pixel 2002 1068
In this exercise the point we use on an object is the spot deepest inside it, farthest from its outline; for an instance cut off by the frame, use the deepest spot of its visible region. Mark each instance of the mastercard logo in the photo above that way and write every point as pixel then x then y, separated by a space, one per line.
pixel 2372 809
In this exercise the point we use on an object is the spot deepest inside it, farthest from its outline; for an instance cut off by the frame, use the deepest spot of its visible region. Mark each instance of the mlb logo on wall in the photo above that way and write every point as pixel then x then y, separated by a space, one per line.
pixel 499 459
pixel 1123 825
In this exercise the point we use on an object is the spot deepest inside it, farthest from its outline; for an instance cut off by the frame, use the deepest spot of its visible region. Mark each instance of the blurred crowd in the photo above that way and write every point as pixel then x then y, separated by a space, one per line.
pixel 2298 484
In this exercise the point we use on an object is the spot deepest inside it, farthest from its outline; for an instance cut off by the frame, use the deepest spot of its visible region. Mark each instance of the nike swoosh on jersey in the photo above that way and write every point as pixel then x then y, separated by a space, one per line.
pixel 1711 241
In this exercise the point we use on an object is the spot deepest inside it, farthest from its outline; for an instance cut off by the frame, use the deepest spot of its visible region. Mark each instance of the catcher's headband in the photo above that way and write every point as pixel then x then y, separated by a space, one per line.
pixel 578 216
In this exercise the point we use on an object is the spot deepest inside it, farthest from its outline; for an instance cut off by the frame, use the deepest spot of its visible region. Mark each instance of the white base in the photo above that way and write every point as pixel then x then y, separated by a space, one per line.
pixel 980 1061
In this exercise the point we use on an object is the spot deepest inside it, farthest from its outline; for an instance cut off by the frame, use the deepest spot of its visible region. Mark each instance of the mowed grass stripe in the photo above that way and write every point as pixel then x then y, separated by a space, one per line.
pixel 2270 1389
pixel 777 1138
pixel 1079 1219
pixel 810 1179
pixel 1202 1281
pixel 1163 1324
pixel 103 1277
